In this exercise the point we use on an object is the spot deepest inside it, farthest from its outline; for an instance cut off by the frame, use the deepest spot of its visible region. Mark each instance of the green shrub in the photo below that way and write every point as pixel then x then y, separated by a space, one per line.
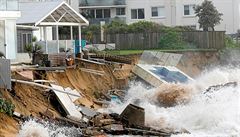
pixel 6 107
pixel 230 43
pixel 116 27
pixel 171 39
pixel 91 28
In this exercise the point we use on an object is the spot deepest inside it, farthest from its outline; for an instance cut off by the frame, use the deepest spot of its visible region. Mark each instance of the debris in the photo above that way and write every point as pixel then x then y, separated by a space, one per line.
pixel 90 61
pixel 87 111
pixel 146 132
pixel 46 68
pixel 133 115
pixel 217 87
pixel 116 127
pixel 101 102
pixel 96 72
pixel 113 58
pixel 41 85
pixel 17 115
pixel 26 75
pixel 73 92
pixel 69 60
pixel 67 104
pixel 43 81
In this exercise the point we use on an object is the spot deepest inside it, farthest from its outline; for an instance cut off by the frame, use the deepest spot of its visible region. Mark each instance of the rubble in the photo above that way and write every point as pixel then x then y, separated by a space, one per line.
pixel 133 115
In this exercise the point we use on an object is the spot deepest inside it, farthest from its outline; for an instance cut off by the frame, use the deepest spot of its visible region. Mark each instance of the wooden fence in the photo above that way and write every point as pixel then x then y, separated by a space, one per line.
pixel 143 41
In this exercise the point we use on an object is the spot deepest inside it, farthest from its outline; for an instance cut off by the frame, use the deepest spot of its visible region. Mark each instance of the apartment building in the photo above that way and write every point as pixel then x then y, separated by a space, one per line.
pixel 8 14
pixel 181 13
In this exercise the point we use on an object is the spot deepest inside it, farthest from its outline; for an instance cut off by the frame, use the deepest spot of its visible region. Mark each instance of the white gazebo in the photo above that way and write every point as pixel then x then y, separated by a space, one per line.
pixel 45 15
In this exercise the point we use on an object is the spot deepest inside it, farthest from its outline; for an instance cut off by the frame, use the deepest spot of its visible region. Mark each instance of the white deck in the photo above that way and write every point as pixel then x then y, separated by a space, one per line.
pixel 67 103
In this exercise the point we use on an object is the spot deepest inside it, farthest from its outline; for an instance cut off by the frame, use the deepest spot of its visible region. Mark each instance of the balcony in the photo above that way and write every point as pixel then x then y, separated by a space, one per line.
pixel 106 20
pixel 102 3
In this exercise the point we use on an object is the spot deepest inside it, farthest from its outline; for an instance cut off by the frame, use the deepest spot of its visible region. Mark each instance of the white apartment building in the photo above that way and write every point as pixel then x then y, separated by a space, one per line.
pixel 181 13
pixel 8 15
pixel 167 12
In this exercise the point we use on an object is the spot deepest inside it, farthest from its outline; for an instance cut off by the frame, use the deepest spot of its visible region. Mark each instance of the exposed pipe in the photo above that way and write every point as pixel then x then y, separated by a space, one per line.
pixel 43 86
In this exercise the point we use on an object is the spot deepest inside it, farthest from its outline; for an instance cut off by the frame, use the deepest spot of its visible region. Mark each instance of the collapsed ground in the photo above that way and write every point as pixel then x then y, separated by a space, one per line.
pixel 30 100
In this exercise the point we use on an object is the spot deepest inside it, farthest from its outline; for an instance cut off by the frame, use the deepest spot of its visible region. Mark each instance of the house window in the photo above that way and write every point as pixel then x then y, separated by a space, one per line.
pixel 137 14
pixel 25 39
pixel 91 13
pixel 99 13
pixel 120 11
pixel 158 11
pixel 107 13
pixel 189 9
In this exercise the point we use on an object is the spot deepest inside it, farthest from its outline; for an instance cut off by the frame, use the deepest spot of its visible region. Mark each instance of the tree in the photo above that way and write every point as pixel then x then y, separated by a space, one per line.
pixel 208 15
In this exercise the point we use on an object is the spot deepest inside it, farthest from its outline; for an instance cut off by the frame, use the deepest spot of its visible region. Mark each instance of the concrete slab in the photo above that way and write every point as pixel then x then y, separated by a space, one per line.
pixel 67 103
pixel 160 58
pixel 74 92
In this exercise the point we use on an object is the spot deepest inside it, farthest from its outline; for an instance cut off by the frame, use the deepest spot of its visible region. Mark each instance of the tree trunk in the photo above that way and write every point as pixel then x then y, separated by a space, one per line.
pixel 213 29
pixel 205 28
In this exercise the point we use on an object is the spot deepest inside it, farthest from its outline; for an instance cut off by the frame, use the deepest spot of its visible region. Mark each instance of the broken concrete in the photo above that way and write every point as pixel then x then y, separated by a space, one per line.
pixel 67 104
pixel 133 115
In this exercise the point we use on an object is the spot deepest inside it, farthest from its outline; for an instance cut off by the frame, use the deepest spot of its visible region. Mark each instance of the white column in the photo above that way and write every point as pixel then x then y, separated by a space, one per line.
pixel 71 31
pixel 80 37
pixel 57 38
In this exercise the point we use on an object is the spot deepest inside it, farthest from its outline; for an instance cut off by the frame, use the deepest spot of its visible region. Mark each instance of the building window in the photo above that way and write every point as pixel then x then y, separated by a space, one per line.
pixel 107 13
pixel 120 11
pixel 99 13
pixel 158 11
pixel 137 14
pixel 189 9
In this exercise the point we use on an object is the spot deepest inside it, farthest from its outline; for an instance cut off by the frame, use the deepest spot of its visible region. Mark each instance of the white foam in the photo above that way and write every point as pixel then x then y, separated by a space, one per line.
pixel 217 114
pixel 34 128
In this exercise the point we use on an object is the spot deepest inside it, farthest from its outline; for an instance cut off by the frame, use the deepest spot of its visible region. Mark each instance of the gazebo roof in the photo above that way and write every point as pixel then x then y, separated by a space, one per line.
pixel 49 14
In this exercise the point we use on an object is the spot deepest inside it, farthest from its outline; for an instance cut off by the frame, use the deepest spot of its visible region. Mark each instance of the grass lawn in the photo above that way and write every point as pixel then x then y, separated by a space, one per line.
pixel 130 52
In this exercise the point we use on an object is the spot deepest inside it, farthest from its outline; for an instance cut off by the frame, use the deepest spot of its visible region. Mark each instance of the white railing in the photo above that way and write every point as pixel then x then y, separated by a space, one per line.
pixel 54 46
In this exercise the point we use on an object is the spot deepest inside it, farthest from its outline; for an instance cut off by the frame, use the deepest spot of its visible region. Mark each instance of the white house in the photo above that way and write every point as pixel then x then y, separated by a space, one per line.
pixel 9 12
pixel 43 19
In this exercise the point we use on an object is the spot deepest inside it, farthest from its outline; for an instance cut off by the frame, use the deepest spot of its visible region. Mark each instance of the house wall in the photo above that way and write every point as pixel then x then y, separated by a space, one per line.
pixel 2 36
pixel 9 37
